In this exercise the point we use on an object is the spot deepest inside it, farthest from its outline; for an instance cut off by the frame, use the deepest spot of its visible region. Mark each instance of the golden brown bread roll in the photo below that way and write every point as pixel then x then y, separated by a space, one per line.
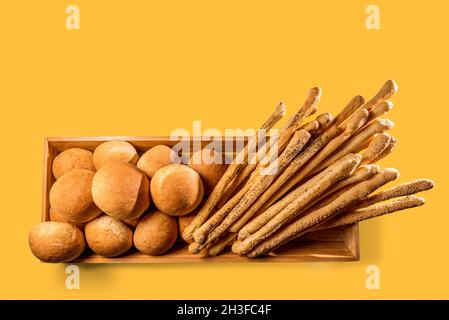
pixel 176 189
pixel 156 233
pixel 115 150
pixel 210 165
pixel 132 222
pixel 108 237
pixel 74 158
pixel 157 157
pixel 121 190
pixel 52 241
pixel 57 216
pixel 71 196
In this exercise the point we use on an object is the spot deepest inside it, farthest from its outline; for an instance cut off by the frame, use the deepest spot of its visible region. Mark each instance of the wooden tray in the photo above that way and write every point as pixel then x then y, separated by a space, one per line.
pixel 338 244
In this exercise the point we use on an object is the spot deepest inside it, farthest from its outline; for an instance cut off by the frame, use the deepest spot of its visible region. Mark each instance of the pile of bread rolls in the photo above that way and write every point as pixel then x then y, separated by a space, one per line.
pixel 113 199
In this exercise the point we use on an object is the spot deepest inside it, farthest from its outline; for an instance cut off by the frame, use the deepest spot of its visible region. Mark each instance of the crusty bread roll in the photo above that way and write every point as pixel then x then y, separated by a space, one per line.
pixel 56 241
pixel 57 216
pixel 132 222
pixel 71 196
pixel 115 150
pixel 108 237
pixel 157 157
pixel 121 190
pixel 74 158
pixel 156 233
pixel 210 165
pixel 176 189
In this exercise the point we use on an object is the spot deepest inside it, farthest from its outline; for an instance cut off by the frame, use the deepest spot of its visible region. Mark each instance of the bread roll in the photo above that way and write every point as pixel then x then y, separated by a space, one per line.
pixel 56 241
pixel 156 233
pixel 115 150
pixel 132 222
pixel 71 196
pixel 57 216
pixel 121 190
pixel 157 157
pixel 210 165
pixel 176 189
pixel 74 158
pixel 108 237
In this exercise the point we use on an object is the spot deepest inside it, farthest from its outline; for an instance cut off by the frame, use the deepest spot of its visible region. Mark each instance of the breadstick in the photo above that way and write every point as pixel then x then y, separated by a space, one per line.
pixel 372 211
pixel 386 91
pixel 286 181
pixel 310 126
pixel 389 149
pixel 293 124
pixel 323 122
pixel 379 143
pixel 298 199
pixel 405 189
pixel 217 248
pixel 362 173
pixel 379 110
pixel 221 222
pixel 304 223
pixel 372 128
pixel 353 105
pixel 202 253
pixel 265 200
pixel 356 121
pixel 237 164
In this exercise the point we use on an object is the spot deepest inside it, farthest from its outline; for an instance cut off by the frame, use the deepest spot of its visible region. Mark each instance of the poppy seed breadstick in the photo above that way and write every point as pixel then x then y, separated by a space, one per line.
pixel 355 121
pixel 379 110
pixel 249 212
pixel 362 173
pixel 297 200
pixel 385 92
pixel 237 164
pixel 372 211
pixel 278 189
pixel 374 127
pixel 300 226
pixel 222 222
pixel 389 149
pixel 376 147
pixel 404 189
pixel 284 136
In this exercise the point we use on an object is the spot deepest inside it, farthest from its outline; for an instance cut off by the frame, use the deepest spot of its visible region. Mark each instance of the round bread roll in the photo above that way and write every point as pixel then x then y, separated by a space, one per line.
pixel 74 158
pixel 71 196
pixel 121 190
pixel 157 157
pixel 57 216
pixel 156 233
pixel 210 165
pixel 108 237
pixel 53 241
pixel 176 189
pixel 115 150
pixel 132 222
pixel 183 222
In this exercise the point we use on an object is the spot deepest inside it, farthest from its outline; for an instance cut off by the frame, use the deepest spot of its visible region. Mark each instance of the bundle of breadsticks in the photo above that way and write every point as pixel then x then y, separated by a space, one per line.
pixel 323 175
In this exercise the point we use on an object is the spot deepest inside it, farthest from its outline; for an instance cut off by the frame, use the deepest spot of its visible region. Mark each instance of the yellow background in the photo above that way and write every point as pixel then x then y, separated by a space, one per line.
pixel 146 67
